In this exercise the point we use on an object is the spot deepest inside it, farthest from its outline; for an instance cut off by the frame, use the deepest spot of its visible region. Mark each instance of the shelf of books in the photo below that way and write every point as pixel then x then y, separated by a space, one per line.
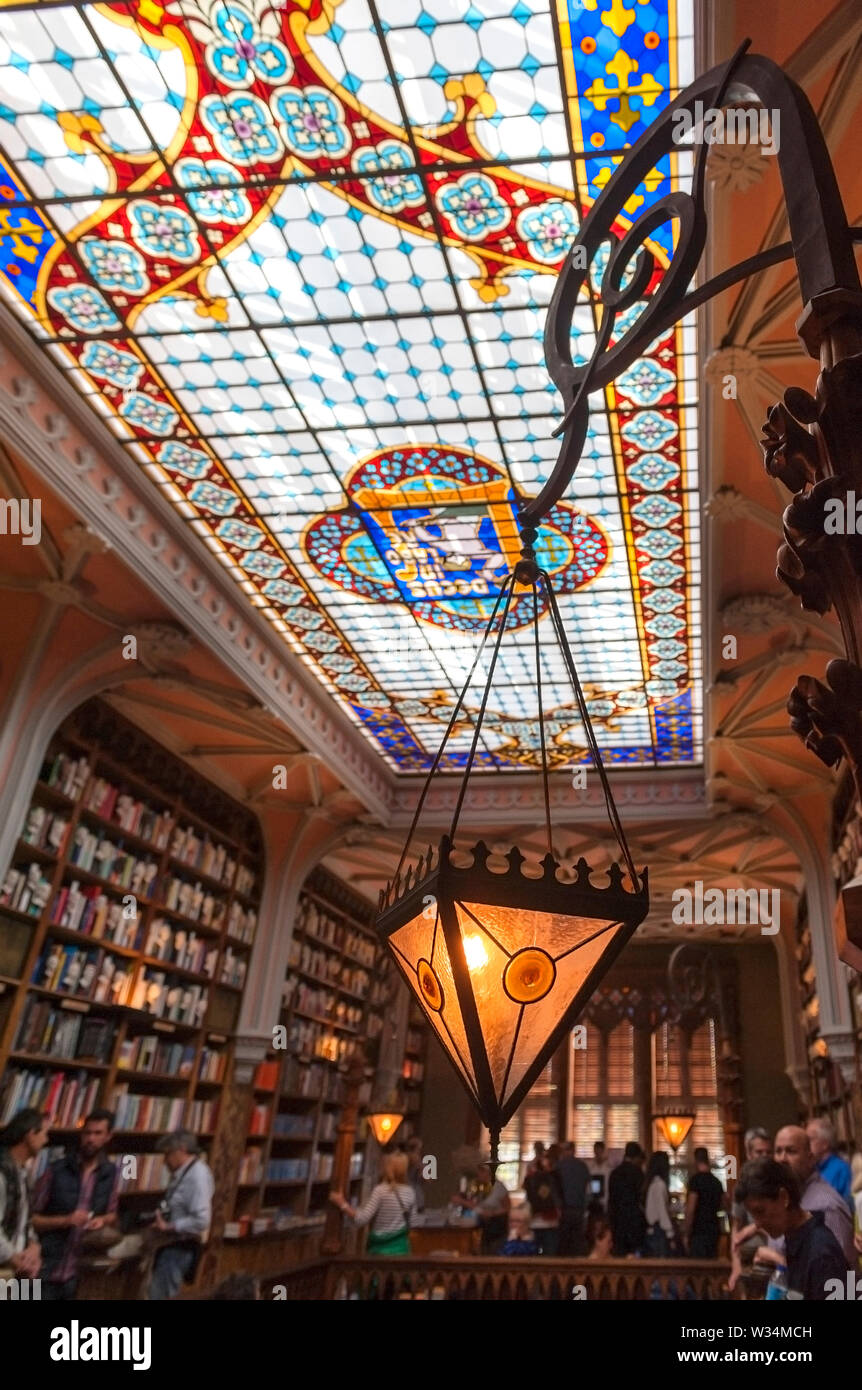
pixel 336 992
pixel 413 1070
pixel 831 1095
pixel 127 915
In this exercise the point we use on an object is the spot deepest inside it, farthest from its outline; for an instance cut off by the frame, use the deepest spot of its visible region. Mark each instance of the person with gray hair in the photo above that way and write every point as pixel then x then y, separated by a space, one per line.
pixel 758 1146
pixel 793 1147
pixel 757 1143
pixel 831 1167
pixel 183 1217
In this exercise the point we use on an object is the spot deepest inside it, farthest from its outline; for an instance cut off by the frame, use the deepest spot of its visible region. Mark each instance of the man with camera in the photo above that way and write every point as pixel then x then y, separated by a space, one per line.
pixel 182 1221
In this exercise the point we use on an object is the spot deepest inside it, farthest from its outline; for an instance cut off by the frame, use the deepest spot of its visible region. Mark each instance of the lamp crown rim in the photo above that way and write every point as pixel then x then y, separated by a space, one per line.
pixel 431 873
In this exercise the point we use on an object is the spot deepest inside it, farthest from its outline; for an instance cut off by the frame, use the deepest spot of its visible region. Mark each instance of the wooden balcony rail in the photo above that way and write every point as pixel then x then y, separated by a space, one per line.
pixel 488 1278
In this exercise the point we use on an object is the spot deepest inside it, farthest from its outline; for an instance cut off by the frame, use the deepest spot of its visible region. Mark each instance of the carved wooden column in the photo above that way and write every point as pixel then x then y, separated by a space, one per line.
pixel 813 444
pixel 228 1147
pixel 345 1137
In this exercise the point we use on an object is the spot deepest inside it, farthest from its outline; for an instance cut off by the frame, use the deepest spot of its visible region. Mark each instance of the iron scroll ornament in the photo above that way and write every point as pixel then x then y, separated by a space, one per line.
pixel 820 239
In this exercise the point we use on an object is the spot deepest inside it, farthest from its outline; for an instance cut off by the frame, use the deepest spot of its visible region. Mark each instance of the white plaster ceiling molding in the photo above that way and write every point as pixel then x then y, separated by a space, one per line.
pixel 754 613
pixel 735 168
pixel 44 420
pixel 162 644
pixel 727 504
pixel 501 800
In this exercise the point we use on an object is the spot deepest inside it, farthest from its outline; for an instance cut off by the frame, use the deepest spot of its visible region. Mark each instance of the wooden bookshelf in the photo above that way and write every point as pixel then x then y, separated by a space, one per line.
pixel 127 917
pixel 847 864
pixel 337 989
pixel 413 1070
pixel 829 1094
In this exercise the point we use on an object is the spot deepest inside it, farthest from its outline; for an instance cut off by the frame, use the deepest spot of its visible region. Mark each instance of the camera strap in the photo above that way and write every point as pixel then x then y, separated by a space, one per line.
pixel 173 1185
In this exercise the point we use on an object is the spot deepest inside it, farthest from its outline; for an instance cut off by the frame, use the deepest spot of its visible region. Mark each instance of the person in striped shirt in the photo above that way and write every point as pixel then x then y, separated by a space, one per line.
pixel 388 1210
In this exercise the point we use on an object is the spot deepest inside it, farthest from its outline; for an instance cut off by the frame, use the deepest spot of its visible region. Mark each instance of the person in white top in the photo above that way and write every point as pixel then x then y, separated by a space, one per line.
pixel 660 1232
pixel 600 1167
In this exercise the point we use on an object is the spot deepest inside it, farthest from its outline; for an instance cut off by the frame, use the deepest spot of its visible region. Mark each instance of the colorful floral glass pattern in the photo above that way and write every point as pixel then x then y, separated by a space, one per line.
pixel 294 281
pixel 240 52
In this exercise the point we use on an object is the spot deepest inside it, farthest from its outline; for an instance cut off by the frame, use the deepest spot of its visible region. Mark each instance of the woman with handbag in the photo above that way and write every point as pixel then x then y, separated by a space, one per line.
pixel 388 1210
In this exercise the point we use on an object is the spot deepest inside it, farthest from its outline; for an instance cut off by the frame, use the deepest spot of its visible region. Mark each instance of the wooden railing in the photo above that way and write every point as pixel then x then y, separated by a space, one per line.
pixel 487 1278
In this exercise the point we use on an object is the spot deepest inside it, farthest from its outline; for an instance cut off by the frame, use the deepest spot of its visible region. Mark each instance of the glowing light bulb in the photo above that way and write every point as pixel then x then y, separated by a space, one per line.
pixel 474 950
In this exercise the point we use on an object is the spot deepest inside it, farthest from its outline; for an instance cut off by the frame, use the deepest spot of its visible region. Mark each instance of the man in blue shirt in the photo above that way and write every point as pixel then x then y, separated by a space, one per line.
pixel 831 1167
pixel 184 1213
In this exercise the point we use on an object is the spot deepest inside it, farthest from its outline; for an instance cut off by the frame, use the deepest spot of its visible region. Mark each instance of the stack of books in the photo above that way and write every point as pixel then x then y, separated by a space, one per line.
pixel 66 1096
pixel 45 830
pixel 178 1001
pixel 153 1054
pixel 152 1114
pixel 86 973
pixel 67 775
pixel 57 1033
pixel 135 817
pixel 90 911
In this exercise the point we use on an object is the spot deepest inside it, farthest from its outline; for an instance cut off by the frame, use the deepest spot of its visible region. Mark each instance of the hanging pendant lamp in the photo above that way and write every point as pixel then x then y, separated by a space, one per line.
pixel 675 1125
pixel 384 1125
pixel 503 955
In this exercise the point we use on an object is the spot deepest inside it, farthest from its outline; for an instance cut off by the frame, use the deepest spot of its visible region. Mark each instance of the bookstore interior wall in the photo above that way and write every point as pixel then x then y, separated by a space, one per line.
pixel 128 916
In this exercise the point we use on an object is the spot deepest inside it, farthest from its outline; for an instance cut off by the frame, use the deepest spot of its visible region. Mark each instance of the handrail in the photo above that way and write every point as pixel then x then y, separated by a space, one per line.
pixel 489 1278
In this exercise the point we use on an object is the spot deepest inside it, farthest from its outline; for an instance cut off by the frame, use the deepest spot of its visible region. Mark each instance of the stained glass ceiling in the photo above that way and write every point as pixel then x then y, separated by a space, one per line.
pixel 298 256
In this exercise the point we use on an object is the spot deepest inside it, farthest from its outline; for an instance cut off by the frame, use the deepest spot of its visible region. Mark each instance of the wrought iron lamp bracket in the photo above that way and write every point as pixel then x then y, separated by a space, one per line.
pixel 812 442
pixel 821 242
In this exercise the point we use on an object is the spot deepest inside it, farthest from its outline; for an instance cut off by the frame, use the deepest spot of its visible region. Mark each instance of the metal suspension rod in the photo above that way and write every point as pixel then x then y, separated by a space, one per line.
pixel 438 755
pixel 486 693
pixel 591 738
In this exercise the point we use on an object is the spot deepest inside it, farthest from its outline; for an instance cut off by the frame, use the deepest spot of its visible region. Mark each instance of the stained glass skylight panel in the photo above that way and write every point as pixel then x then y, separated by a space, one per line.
pixel 298 257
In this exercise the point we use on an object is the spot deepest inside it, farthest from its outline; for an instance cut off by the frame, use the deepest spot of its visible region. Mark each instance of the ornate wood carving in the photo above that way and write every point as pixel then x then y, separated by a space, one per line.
pixel 489 1278
pixel 345 1139
pixel 227 1150
pixel 814 445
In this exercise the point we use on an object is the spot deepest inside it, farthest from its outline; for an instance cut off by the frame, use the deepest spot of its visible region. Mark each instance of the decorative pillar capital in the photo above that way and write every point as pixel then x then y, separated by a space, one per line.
pixel 249 1049
pixel 842 1051
pixel 833 314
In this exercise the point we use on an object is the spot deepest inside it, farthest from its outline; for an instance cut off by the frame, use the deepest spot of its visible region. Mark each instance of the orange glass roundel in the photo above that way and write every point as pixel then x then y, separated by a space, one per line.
pixel 430 986
pixel 529 975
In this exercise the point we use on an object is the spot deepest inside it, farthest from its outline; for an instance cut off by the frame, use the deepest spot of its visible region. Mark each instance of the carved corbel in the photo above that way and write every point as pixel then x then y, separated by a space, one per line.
pixel 828 718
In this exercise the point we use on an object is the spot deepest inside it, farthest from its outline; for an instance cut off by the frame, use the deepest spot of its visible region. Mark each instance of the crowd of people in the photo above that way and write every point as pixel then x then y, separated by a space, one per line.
pixel 576 1206
pixel 796 1209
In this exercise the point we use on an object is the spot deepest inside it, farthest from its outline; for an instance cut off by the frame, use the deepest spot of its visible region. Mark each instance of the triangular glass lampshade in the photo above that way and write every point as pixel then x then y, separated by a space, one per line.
pixel 384 1124
pixel 674 1126
pixel 502 963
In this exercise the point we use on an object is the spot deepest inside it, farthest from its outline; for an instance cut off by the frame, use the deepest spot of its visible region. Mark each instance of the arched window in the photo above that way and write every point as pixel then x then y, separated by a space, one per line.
pixel 604 1095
